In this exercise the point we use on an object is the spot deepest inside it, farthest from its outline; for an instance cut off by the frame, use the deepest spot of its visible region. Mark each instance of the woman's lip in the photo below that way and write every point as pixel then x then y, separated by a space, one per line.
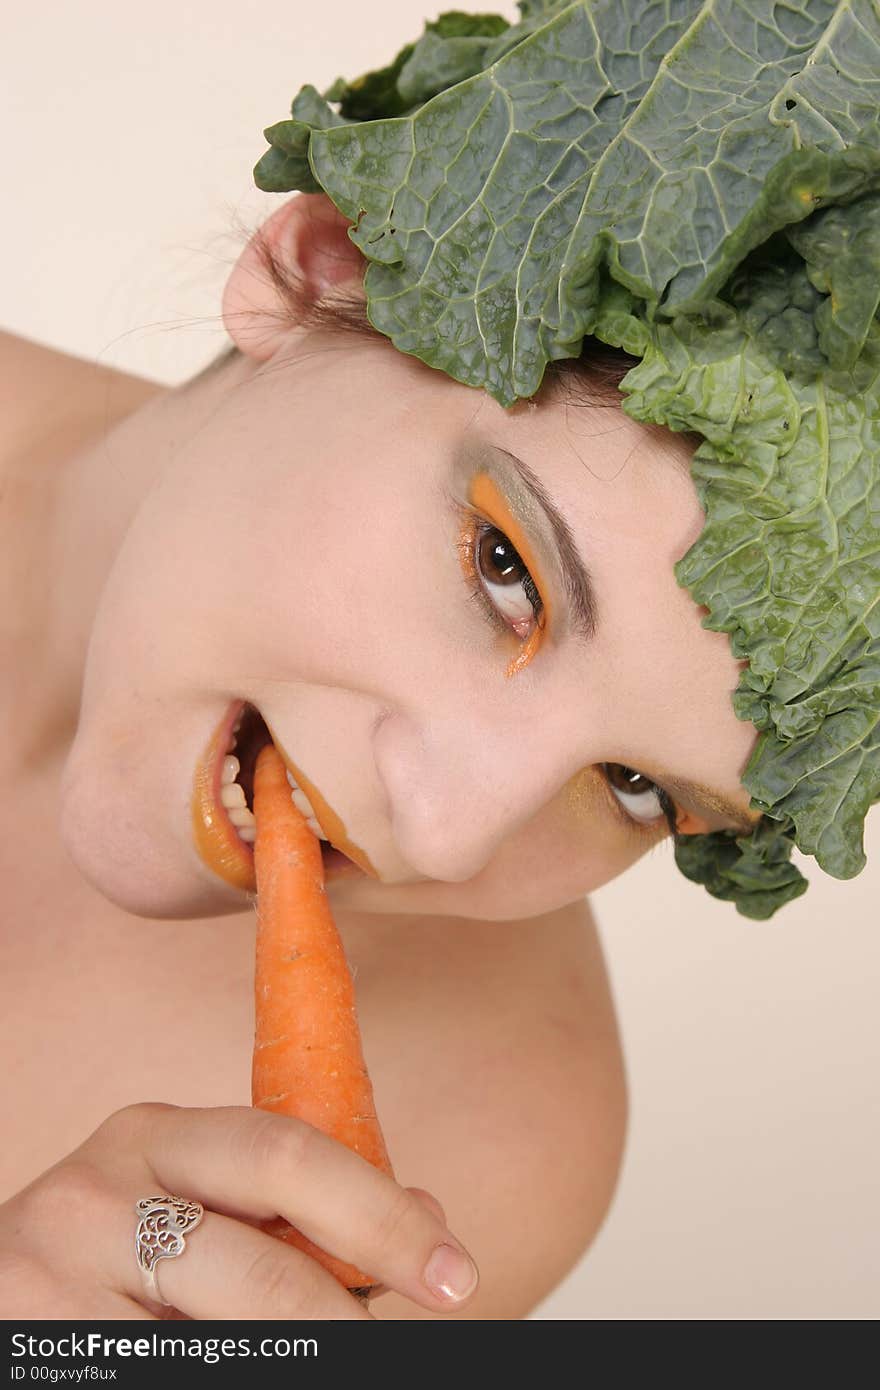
pixel 218 843
pixel 331 823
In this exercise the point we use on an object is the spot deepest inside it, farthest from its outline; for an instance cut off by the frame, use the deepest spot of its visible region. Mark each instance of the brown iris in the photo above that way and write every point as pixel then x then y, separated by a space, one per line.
pixel 625 779
pixel 497 553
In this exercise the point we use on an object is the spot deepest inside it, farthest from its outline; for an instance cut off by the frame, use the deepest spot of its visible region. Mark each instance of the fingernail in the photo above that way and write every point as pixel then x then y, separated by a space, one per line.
pixel 450 1273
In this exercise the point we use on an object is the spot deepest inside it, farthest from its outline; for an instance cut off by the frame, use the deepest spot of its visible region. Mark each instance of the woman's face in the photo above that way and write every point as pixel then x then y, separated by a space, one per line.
pixel 330 545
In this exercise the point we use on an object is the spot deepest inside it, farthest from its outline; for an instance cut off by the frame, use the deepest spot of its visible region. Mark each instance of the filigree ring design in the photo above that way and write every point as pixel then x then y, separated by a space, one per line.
pixel 164 1222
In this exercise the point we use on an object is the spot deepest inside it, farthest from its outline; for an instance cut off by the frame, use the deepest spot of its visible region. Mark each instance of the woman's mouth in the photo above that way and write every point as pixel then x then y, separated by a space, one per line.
pixel 224 826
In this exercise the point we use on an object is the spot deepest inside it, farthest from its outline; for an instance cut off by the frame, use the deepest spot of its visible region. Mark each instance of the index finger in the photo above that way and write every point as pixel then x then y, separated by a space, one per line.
pixel 254 1164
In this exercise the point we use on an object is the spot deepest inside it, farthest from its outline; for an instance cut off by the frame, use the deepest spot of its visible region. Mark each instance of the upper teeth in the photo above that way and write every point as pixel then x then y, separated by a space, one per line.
pixel 233 798
pixel 302 804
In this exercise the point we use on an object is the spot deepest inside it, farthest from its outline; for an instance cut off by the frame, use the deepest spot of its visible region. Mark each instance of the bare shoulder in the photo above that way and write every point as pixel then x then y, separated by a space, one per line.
pixel 38 381
pixel 502 1090
pixel 31 364
pixel 48 392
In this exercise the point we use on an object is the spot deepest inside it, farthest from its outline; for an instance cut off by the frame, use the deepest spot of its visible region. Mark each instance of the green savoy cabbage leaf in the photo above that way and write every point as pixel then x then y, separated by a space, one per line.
pixel 697 182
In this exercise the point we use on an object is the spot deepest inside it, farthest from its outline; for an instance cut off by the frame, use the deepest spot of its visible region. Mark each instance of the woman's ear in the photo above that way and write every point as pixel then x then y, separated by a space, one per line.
pixel 309 236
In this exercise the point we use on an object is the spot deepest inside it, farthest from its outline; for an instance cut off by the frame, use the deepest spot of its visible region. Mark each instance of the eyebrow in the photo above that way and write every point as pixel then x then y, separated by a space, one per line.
pixel 579 588
pixel 581 594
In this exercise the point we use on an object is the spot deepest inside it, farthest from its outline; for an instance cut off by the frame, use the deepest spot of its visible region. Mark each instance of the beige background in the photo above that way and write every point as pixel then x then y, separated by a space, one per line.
pixel 750 1186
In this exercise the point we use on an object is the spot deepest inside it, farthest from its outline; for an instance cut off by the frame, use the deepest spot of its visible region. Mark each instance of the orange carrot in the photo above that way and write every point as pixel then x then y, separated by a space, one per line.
pixel 308 1059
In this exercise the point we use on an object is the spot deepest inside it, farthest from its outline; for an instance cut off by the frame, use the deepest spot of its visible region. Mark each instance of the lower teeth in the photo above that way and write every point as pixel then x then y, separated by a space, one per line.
pixel 235 805
pixel 248 833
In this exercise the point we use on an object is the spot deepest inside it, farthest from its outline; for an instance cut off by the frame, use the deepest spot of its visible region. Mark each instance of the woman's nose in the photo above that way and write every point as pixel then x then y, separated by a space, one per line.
pixel 456 792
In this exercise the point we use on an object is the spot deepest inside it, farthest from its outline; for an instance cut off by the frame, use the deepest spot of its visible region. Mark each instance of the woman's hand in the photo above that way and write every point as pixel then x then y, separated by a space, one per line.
pixel 67 1240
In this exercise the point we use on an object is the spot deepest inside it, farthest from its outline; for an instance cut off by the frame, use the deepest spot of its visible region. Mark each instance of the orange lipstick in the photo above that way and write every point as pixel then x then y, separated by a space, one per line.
pixel 217 842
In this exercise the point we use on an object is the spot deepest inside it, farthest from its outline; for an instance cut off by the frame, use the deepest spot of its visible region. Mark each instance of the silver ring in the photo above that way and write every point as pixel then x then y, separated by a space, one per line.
pixel 164 1222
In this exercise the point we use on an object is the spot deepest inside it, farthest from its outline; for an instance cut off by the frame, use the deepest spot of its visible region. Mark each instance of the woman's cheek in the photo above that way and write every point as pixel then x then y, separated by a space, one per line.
pixel 596 840
pixel 572 848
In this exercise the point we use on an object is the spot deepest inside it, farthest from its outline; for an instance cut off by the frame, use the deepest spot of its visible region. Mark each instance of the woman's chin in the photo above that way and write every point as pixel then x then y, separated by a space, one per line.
pixel 144 869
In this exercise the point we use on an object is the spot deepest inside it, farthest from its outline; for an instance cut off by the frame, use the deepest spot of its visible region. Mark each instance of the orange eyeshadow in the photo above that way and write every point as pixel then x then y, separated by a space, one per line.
pixel 487 497
pixel 582 794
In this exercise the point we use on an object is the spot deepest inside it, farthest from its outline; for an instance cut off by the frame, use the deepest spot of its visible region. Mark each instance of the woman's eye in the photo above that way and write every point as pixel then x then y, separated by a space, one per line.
pixel 506 581
pixel 641 798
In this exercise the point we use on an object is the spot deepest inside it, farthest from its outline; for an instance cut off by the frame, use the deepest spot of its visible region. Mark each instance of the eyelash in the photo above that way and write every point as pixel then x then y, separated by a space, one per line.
pixel 474 530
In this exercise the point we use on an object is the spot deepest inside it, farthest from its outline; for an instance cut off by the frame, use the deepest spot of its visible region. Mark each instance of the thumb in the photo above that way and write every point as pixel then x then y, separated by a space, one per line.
pixel 434 1207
